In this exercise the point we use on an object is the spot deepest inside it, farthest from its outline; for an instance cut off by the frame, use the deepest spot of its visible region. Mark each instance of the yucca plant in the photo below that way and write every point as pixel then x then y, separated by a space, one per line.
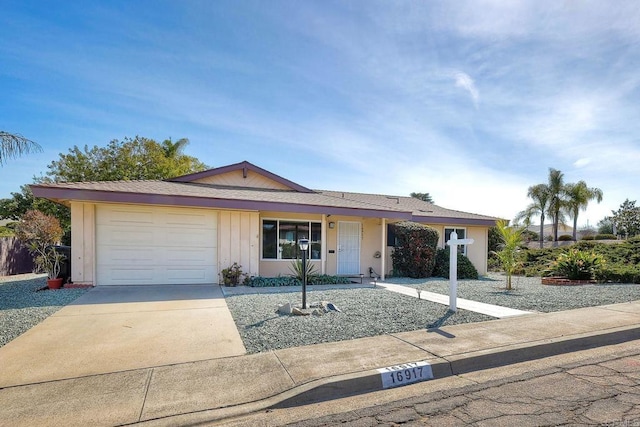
pixel 298 272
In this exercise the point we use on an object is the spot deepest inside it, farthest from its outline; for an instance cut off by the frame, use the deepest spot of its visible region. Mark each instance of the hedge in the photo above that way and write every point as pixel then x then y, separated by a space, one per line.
pixel 466 269
pixel 415 252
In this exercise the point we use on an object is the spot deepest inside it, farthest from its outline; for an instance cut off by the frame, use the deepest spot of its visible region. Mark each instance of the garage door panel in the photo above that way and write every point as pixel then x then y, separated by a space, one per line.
pixel 119 255
pixel 111 235
pixel 155 246
pixel 122 216
pixel 189 256
pixel 191 237
pixel 188 220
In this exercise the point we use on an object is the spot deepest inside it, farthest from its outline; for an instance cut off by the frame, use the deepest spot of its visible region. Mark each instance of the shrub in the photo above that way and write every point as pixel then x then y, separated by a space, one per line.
pixel 232 276
pixel 605 237
pixel 321 279
pixel 415 252
pixel 577 265
pixel 466 269
pixel 40 232
pixel 588 238
pixel 565 238
pixel 619 273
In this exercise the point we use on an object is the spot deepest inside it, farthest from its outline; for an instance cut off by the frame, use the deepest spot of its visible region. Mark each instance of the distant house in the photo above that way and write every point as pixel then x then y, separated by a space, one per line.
pixel 187 229
pixel 563 230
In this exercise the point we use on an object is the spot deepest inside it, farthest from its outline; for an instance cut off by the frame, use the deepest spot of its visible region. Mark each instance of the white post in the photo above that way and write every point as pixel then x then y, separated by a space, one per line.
pixel 453 268
pixel 453 272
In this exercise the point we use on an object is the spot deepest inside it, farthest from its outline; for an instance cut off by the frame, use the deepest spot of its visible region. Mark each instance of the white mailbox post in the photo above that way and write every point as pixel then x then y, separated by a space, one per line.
pixel 453 267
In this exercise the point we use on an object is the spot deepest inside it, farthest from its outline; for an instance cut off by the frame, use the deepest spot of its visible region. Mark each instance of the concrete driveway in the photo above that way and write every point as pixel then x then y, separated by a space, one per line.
pixel 119 328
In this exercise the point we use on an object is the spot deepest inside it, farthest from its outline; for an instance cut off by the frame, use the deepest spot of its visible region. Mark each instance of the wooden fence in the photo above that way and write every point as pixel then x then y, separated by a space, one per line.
pixel 14 257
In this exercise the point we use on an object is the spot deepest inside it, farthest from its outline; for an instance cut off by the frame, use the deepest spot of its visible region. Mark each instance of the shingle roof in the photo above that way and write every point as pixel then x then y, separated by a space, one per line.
pixel 206 195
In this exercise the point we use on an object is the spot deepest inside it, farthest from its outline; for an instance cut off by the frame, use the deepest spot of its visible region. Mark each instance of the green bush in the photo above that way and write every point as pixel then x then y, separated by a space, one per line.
pixel 588 238
pixel 605 237
pixel 565 238
pixel 577 265
pixel 415 252
pixel 466 269
pixel 619 273
pixel 321 279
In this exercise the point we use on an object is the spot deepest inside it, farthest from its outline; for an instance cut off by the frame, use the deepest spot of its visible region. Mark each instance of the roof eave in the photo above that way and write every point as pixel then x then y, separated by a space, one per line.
pixel 59 194
pixel 486 222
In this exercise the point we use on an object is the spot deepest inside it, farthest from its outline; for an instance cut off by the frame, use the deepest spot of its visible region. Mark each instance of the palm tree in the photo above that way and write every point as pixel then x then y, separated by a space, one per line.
pixel 13 145
pixel 173 149
pixel 556 190
pixel 540 196
pixel 508 253
pixel 578 197
pixel 425 197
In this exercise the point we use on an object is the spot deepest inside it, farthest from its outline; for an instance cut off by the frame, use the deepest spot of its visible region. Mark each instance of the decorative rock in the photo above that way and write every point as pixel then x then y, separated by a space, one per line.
pixel 284 308
pixel 317 312
pixel 332 307
pixel 298 312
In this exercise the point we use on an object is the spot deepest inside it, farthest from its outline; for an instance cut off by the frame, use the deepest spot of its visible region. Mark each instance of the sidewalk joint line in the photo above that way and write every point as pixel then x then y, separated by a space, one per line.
pixel 285 369
pixel 146 392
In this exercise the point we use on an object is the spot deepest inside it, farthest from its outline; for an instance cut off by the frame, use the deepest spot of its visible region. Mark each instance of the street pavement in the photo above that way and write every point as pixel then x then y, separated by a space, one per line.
pixel 590 387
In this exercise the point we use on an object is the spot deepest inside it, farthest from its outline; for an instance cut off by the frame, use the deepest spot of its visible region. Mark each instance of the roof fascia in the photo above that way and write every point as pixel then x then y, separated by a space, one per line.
pixel 454 221
pixel 244 167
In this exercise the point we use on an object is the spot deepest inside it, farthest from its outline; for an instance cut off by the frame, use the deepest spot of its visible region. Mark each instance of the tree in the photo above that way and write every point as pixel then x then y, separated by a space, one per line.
pixel 556 190
pixel 425 197
pixel 627 219
pixel 578 197
pixel 541 197
pixel 508 253
pixel 173 149
pixel 130 159
pixel 13 145
pixel 605 226
pixel 39 232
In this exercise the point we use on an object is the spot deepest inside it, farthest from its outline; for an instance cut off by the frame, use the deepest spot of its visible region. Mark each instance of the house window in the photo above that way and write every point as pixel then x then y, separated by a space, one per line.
pixel 391 235
pixel 280 239
pixel 462 234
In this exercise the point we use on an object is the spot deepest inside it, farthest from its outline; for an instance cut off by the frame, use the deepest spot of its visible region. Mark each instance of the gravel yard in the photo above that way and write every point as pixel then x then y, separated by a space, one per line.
pixel 369 312
pixel 21 307
pixel 365 312
pixel 528 293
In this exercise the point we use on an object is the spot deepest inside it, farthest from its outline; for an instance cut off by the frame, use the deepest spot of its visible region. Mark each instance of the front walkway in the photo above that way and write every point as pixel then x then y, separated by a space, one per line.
pixel 465 304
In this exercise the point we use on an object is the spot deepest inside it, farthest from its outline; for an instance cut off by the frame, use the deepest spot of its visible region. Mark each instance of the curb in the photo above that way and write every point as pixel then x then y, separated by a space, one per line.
pixel 370 381
pixel 345 385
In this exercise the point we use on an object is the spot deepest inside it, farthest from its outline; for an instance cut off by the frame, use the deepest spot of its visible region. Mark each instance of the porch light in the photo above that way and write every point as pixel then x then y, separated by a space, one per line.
pixel 304 244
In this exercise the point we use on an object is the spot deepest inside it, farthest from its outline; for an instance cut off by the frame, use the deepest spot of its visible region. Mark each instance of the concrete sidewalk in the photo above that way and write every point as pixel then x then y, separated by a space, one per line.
pixel 207 390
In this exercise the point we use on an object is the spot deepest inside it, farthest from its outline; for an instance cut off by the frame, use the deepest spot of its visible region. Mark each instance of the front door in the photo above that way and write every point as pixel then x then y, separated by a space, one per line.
pixel 348 248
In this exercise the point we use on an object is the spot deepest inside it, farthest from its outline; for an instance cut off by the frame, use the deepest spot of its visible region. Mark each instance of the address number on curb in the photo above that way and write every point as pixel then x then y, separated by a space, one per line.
pixel 407 373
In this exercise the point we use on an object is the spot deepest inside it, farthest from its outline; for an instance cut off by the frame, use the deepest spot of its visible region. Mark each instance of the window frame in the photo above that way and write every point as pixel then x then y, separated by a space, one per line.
pixel 309 222
pixel 444 238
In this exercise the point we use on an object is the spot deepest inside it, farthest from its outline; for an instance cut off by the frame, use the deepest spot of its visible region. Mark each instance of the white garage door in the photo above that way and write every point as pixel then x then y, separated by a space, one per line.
pixel 137 245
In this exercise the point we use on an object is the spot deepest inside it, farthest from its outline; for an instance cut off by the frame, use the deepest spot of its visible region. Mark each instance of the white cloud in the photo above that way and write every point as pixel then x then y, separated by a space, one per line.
pixel 464 81
pixel 580 163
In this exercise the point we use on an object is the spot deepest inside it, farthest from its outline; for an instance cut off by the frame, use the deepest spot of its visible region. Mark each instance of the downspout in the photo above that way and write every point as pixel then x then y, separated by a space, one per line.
pixel 383 252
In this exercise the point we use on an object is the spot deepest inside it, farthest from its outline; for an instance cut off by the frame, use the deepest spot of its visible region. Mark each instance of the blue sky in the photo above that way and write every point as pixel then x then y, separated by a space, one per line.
pixel 469 101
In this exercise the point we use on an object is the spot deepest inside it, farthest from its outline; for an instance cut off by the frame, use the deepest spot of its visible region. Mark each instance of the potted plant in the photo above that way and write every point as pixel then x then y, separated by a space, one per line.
pixel 49 262
pixel 40 232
